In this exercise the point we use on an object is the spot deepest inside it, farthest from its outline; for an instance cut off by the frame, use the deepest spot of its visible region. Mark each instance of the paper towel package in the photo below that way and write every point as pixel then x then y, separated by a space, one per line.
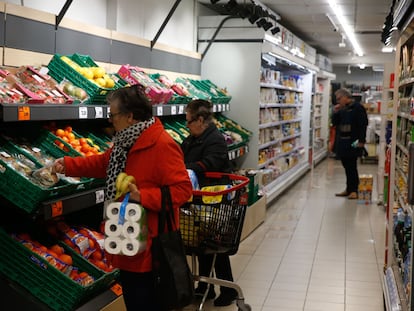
pixel 129 236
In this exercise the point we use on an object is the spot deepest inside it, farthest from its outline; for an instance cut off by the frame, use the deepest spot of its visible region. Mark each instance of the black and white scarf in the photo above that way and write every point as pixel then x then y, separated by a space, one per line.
pixel 123 141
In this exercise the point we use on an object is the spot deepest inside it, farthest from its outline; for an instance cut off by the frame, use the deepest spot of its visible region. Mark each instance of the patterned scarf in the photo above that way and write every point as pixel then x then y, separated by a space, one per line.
pixel 123 141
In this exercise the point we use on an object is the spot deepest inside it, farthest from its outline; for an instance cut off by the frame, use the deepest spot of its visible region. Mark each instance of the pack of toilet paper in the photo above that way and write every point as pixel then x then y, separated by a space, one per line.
pixel 125 228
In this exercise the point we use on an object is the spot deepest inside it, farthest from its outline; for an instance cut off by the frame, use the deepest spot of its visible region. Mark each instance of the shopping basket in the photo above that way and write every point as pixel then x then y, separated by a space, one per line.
pixel 211 223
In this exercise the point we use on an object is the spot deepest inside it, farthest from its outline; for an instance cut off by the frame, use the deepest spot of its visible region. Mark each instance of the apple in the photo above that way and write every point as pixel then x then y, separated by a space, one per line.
pixel 80 93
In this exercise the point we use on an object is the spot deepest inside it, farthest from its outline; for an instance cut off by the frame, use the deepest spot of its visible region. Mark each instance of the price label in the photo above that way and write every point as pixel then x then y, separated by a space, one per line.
pixel 83 112
pixel 57 208
pixel 181 109
pixel 219 108
pixel 214 108
pixel 159 110
pixel 99 196
pixel 23 113
pixel 228 107
pixel 98 112
pixel 173 110
pixel 117 289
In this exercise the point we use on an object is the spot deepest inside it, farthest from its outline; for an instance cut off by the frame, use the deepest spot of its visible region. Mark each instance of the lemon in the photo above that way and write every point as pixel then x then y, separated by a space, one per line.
pixel 87 73
pixel 100 81
pixel 109 83
pixel 98 72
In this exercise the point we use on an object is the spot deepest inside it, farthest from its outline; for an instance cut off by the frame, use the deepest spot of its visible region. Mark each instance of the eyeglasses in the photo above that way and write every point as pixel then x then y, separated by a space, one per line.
pixel 112 115
pixel 191 121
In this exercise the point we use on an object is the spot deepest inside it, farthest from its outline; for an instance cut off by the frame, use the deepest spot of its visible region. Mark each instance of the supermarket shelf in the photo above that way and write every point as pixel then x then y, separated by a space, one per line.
pixel 319 156
pixel 269 161
pixel 18 297
pixel 391 293
pixel 279 87
pixel 274 142
pixel 46 112
pixel 279 105
pixel 72 203
pixel 284 181
pixel 51 112
pixel 276 123
pixel 238 152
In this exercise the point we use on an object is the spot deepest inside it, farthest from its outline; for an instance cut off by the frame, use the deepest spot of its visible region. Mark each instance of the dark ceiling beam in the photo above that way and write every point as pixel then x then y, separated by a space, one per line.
pixel 62 13
pixel 166 20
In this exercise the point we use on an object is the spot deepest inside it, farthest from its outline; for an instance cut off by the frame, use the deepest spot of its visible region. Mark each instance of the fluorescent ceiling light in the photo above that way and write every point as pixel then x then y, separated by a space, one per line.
pixel 348 31
pixel 387 49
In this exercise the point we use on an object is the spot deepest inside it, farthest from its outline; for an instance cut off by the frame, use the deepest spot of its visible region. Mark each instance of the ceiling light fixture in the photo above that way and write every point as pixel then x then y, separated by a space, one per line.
pixel 345 26
pixel 388 49
pixel 348 71
pixel 342 44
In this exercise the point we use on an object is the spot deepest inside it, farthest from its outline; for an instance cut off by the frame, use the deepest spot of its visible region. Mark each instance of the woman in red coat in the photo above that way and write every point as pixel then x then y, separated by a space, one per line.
pixel 142 148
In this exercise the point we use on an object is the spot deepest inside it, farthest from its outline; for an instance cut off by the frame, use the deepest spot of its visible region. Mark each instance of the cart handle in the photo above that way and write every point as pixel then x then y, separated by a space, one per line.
pixel 244 181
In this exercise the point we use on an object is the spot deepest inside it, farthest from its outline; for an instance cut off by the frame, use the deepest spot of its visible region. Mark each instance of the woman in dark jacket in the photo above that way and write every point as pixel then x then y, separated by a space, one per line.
pixel 205 150
pixel 350 119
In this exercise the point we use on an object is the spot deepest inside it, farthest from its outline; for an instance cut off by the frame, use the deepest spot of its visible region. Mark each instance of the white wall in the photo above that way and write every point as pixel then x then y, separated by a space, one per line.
pixel 140 18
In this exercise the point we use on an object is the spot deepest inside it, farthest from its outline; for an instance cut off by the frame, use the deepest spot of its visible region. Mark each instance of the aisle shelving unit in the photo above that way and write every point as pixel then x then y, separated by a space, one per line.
pixel 272 97
pixel 398 258
pixel 320 116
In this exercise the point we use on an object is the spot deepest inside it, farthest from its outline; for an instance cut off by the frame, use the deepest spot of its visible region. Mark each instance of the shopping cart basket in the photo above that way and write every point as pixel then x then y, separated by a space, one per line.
pixel 211 223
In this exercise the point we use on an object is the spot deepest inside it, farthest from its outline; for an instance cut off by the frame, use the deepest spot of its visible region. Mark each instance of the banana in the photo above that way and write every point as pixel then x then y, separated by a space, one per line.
pixel 122 184
pixel 121 176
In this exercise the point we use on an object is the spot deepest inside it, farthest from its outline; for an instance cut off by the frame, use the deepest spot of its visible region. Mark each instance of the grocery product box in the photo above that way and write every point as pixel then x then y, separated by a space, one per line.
pixel 366 183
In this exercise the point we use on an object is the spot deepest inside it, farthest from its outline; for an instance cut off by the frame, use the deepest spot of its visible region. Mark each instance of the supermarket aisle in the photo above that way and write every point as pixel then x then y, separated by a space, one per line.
pixel 315 251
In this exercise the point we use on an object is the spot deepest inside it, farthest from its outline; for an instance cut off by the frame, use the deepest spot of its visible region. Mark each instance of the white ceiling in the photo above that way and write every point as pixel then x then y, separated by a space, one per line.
pixel 307 19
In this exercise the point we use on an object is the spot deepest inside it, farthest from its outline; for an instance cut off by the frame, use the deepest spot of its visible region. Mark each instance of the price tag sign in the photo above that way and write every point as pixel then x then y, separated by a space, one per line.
pixel 173 110
pixel 214 108
pixel 228 107
pixel 219 108
pixel 98 112
pixel 181 109
pixel 23 113
pixel 159 110
pixel 57 208
pixel 117 289
pixel 83 112
pixel 99 196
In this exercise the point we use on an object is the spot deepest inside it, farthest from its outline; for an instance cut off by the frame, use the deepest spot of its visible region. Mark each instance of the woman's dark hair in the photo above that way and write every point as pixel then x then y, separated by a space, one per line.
pixel 132 99
pixel 200 108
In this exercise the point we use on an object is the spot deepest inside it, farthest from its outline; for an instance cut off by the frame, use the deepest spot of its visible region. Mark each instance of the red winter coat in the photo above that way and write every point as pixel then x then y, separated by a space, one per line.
pixel 154 160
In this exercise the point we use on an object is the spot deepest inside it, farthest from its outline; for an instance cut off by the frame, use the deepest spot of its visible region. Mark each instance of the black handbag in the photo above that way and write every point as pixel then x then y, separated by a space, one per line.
pixel 173 280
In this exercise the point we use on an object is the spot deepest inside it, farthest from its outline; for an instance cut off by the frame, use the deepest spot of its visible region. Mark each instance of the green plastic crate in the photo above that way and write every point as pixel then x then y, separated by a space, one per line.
pixel 44 281
pixel 22 192
pixel 47 151
pixel 59 70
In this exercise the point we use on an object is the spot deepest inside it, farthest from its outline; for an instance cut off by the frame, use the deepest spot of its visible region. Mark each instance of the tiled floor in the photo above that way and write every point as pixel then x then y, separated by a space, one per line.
pixel 315 251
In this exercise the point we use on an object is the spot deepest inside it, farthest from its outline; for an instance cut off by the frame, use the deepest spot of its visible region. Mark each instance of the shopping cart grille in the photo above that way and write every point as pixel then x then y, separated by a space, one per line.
pixel 213 227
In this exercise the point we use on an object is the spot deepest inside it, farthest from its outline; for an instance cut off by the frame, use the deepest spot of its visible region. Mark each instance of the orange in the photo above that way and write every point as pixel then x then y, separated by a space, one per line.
pixel 100 264
pixel 89 153
pixel 97 255
pixel 57 249
pixel 68 129
pixel 71 136
pixel 60 133
pixel 66 259
pixel 52 253
pixel 83 140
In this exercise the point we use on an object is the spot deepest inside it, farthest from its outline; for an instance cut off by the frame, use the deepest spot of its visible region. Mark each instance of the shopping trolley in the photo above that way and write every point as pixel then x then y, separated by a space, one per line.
pixel 211 223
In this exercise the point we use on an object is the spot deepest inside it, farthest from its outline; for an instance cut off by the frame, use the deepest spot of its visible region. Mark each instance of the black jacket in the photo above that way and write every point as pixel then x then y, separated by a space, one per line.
pixel 206 153
pixel 351 124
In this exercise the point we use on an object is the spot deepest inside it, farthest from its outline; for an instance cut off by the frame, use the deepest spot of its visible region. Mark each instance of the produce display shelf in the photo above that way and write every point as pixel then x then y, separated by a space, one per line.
pixel 20 298
pixel 71 203
pixel 52 112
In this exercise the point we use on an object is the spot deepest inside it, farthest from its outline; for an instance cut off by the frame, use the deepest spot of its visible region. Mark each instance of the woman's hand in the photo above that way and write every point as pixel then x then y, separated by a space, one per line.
pixel 135 194
pixel 59 166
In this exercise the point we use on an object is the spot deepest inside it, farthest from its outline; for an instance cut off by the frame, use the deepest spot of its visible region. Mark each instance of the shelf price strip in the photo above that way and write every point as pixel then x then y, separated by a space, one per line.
pixel 23 113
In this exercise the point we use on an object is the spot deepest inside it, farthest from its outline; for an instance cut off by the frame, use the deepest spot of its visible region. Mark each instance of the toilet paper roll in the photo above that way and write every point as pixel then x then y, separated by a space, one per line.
pixel 112 210
pixel 130 247
pixel 113 245
pixel 131 230
pixel 112 228
pixel 133 212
